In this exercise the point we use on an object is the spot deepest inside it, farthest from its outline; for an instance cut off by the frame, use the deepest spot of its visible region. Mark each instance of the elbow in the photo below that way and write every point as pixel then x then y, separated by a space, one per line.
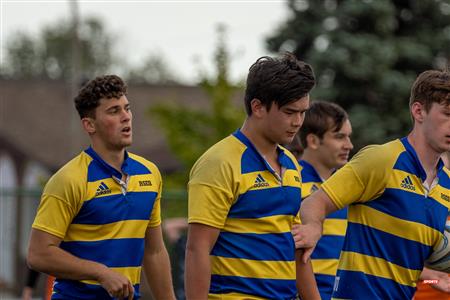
pixel 35 260
pixel 32 261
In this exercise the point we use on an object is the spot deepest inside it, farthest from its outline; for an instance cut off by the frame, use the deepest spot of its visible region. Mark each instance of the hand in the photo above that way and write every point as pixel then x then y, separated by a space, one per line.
pixel 306 237
pixel 117 285
pixel 443 283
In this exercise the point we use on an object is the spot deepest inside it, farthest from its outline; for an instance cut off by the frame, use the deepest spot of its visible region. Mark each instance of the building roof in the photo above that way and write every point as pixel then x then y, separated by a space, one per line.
pixel 39 118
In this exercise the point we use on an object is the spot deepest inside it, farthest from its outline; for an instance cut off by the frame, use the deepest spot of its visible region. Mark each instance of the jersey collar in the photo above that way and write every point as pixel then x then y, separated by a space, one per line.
pixel 420 170
pixel 283 159
pixel 111 170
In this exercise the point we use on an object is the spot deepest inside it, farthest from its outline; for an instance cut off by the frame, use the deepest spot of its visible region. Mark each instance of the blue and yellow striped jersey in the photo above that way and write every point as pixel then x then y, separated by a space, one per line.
pixel 325 257
pixel 100 218
pixel 233 188
pixel 394 221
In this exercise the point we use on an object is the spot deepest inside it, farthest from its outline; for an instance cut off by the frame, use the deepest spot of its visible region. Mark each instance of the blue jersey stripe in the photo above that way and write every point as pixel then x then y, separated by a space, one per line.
pixel 277 247
pixel 352 283
pixel 265 288
pixel 109 209
pixel 325 284
pixel 374 238
pixel 411 207
pixel 66 289
pixel 109 252
pixel 328 247
pixel 136 168
pixel 267 202
pixel 339 214
pixel 309 174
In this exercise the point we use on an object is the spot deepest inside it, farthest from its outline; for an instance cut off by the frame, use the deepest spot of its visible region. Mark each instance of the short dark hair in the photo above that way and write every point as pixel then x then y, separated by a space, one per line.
pixel 432 86
pixel 102 87
pixel 280 80
pixel 321 117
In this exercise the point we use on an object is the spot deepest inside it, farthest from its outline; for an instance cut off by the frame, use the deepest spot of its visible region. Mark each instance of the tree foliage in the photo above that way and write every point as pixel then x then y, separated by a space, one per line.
pixel 50 53
pixel 191 131
pixel 366 54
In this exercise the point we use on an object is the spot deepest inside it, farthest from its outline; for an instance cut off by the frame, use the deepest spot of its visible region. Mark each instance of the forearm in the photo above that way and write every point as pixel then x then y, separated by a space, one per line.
pixel 315 208
pixel 197 275
pixel 306 282
pixel 157 270
pixel 57 262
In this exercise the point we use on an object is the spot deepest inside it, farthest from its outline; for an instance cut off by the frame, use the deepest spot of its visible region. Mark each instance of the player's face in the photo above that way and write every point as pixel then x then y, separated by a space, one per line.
pixel 335 146
pixel 282 124
pixel 436 125
pixel 113 123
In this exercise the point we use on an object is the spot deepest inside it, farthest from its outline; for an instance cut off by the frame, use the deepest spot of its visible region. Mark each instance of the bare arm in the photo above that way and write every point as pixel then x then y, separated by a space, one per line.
pixel 157 264
pixel 201 239
pixel 46 256
pixel 313 211
pixel 306 282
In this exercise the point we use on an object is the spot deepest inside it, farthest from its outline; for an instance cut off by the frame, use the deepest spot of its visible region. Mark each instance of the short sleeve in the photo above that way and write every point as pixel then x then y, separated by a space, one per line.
pixel 363 178
pixel 210 191
pixel 155 217
pixel 60 202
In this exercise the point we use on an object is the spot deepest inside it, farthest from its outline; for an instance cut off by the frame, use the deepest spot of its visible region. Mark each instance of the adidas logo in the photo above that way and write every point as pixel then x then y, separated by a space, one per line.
pixel 103 189
pixel 260 182
pixel 408 184
pixel 445 197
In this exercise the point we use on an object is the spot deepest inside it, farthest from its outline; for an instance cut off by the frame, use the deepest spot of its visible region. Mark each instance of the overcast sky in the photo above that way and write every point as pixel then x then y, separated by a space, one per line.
pixel 178 30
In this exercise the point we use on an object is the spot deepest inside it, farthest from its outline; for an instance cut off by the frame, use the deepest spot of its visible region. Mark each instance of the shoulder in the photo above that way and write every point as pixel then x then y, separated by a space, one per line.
pixel 378 157
pixel 227 152
pixel 72 173
pixel 70 182
pixel 138 162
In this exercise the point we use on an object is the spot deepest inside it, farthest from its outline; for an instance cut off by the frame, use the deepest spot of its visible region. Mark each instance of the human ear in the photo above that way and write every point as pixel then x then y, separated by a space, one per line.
pixel 313 141
pixel 258 107
pixel 88 125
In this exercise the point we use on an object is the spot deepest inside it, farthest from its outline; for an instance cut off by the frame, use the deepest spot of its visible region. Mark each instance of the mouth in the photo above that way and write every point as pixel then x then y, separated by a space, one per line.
pixel 126 130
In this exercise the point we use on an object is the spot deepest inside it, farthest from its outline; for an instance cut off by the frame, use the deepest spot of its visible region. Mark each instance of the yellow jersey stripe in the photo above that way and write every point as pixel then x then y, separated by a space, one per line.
pixel 417 232
pixel 325 266
pixel 117 230
pixel 334 227
pixel 262 269
pixel 378 267
pixel 132 273
pixel 271 224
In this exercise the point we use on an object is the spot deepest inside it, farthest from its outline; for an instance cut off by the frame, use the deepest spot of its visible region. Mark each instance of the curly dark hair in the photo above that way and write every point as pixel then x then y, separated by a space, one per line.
pixel 280 80
pixel 102 87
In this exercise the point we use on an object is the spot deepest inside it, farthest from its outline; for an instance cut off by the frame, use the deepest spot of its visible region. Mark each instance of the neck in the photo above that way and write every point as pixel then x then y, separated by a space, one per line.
pixel 427 155
pixel 310 157
pixel 114 158
pixel 264 146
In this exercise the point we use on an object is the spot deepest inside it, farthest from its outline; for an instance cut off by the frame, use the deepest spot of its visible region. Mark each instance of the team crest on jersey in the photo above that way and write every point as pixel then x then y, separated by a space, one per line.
pixel 260 182
pixel 102 189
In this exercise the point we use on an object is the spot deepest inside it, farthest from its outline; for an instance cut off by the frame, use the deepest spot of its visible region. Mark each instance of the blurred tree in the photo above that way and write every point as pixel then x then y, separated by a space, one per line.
pixel 50 53
pixel 366 54
pixel 153 69
pixel 189 131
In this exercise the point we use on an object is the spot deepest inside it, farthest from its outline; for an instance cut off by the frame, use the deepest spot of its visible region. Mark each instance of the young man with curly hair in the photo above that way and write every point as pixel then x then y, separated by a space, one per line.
pixel 99 216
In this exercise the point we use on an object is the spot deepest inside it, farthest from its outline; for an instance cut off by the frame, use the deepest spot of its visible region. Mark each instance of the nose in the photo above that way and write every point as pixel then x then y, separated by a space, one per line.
pixel 298 119
pixel 348 144
pixel 126 115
